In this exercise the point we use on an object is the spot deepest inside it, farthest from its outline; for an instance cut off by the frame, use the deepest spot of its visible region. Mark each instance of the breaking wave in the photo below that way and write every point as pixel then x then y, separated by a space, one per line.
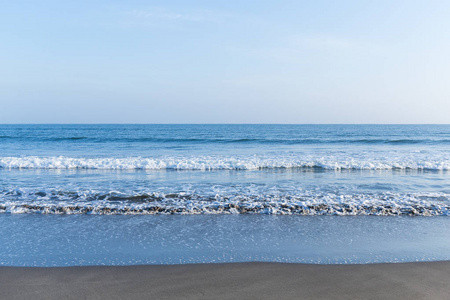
pixel 404 162
pixel 308 203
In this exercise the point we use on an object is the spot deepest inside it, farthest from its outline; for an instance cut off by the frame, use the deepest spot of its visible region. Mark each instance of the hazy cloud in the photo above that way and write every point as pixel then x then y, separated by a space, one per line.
pixel 163 14
pixel 299 49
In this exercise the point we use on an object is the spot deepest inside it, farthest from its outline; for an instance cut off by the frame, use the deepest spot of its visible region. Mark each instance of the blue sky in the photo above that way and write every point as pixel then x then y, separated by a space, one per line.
pixel 224 61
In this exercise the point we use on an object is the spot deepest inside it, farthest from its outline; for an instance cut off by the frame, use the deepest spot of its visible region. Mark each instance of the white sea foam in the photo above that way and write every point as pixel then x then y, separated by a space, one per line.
pixel 304 203
pixel 415 161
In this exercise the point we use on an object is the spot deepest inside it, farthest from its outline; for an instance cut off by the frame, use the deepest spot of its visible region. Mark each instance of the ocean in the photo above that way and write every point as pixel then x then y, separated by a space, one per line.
pixel 165 194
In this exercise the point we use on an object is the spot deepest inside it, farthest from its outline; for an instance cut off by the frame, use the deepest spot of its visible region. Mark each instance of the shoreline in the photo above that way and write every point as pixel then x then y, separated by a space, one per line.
pixel 252 280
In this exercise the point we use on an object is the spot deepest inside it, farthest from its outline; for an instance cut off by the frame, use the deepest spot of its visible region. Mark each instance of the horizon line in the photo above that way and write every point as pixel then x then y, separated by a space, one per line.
pixel 224 124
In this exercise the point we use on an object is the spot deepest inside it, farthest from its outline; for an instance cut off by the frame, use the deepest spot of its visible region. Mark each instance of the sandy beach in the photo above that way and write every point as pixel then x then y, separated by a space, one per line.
pixel 429 280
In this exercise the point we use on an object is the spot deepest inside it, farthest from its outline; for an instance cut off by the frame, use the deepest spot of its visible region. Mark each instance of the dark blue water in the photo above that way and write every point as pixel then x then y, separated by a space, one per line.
pixel 157 140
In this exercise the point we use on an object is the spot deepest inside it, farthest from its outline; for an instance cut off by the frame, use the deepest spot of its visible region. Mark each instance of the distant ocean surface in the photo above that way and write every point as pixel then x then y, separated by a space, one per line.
pixel 225 169
pixel 164 194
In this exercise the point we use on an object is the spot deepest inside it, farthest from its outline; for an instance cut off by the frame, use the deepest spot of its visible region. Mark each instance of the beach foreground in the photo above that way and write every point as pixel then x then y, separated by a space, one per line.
pixel 424 280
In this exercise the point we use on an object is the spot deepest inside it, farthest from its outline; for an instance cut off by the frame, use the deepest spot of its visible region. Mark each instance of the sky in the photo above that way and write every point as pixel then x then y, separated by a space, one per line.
pixel 225 61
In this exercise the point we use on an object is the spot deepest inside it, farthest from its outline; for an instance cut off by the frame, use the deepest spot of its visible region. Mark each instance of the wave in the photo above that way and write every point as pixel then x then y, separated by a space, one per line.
pixel 46 139
pixel 113 203
pixel 270 141
pixel 405 162
pixel 393 141
pixel 73 138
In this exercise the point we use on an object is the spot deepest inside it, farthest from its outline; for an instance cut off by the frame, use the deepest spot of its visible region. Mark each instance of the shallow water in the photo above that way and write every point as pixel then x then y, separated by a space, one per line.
pixel 52 240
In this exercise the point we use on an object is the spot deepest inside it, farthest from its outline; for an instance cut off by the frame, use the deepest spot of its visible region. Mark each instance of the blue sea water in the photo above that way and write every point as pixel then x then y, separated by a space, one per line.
pixel 159 180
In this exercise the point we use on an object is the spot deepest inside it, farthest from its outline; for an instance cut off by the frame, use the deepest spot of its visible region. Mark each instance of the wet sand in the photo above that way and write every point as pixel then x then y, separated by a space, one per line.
pixel 430 280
